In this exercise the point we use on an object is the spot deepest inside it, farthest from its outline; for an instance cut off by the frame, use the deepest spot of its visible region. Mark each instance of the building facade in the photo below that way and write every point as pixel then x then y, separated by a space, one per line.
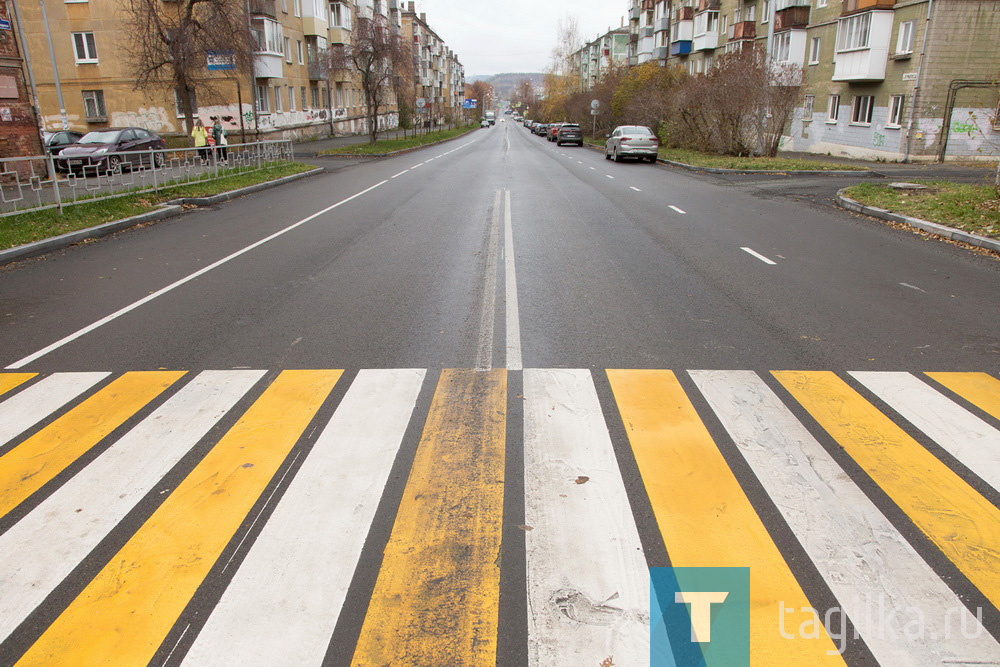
pixel 594 58
pixel 439 77
pixel 18 125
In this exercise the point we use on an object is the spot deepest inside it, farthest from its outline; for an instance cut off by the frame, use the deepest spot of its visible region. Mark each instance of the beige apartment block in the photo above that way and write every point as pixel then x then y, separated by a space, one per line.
pixel 438 76
pixel 595 57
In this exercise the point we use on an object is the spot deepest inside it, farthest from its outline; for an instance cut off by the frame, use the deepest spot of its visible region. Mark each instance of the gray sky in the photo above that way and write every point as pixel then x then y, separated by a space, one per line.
pixel 513 35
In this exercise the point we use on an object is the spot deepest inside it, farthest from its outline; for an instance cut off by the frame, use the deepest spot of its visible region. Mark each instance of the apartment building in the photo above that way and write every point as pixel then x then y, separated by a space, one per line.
pixel 594 58
pixel 439 77
pixel 881 79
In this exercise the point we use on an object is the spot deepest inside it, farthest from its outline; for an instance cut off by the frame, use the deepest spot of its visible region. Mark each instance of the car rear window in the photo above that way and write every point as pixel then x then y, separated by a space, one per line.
pixel 571 127
pixel 637 129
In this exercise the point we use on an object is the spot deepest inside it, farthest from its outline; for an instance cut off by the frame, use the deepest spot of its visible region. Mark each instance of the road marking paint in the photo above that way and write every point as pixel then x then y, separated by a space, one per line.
pixel 913 287
pixel 21 412
pixel 610 176
pixel 964 525
pixel 400 173
pixel 9 381
pixel 431 606
pixel 759 256
pixel 487 313
pixel 127 309
pixel 511 307
pixel 29 466
pixel 965 436
pixel 126 611
pixel 593 168
pixel 274 614
pixel 584 548
pixel 41 550
pixel 635 188
pixel 579 161
pixel 416 166
pixel 980 389
pixel 835 522
pixel 678 210
pixel 678 461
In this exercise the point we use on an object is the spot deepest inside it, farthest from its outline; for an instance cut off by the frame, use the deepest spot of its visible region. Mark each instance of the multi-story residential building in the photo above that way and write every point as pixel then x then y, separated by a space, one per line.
pixel 18 126
pixel 439 78
pixel 591 60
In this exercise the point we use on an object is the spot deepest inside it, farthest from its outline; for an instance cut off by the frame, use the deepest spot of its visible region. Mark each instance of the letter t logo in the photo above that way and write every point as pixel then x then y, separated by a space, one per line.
pixel 701 612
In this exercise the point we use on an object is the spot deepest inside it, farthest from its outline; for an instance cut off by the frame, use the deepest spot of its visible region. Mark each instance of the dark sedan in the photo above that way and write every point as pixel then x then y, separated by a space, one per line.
pixel 112 149
pixel 569 133
pixel 55 142
pixel 540 129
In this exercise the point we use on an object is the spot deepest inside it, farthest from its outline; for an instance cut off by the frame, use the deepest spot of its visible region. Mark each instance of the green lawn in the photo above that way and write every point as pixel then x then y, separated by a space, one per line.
pixel 699 159
pixel 27 227
pixel 971 208
pixel 383 146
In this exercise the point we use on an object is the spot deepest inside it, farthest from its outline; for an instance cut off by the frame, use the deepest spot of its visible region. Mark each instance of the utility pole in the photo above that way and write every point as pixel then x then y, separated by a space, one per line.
pixel 55 70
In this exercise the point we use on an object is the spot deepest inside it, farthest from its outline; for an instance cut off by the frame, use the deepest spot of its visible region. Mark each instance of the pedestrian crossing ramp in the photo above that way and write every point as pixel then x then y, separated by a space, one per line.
pixel 273 518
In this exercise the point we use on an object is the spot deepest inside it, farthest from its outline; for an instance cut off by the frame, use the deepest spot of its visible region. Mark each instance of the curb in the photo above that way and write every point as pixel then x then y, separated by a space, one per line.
pixel 394 153
pixel 925 225
pixel 165 210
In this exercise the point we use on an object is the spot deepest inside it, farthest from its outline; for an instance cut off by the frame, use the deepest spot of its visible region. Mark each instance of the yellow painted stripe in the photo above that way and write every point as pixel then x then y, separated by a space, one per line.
pixel 960 521
pixel 705 517
pixel 980 389
pixel 126 611
pixel 30 465
pixel 437 595
pixel 10 380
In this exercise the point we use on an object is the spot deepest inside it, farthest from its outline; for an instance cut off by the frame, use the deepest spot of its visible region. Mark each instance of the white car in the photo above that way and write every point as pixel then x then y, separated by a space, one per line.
pixel 635 141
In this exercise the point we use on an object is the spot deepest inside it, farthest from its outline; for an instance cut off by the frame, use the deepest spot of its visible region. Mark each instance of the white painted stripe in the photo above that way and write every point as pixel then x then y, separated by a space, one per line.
pixel 400 173
pixel 610 176
pixel 862 557
pixel 594 168
pixel 678 210
pixel 583 549
pixel 283 603
pixel 635 188
pixel 913 287
pixel 30 406
pixel 579 161
pixel 962 434
pixel 39 551
pixel 759 256
pixel 510 280
pixel 174 285
pixel 416 166
pixel 487 313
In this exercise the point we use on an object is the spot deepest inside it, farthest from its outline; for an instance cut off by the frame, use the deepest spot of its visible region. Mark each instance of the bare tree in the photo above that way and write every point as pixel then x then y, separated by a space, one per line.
pixel 169 42
pixel 524 95
pixel 568 41
pixel 375 52
pixel 482 91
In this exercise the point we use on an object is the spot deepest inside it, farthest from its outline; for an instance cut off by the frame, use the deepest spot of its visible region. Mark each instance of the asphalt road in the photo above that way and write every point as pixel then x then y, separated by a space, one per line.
pixel 774 414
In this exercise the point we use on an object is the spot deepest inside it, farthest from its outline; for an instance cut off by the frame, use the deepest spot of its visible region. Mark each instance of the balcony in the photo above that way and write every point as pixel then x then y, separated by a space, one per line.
pixel 706 41
pixel 268 65
pixel 633 14
pixel 660 53
pixel 316 70
pixel 791 17
pixel 648 5
pixel 685 14
pixel 705 5
pixel 683 31
pixel 662 25
pixel 852 6
pixel 869 63
pixel 263 8
pixel 646 32
pixel 743 30
pixel 633 60
pixel 680 47
pixel 633 38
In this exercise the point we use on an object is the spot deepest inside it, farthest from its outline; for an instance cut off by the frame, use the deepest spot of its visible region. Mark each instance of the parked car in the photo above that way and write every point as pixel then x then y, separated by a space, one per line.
pixel 528 123
pixel 540 129
pixel 552 131
pixel 569 133
pixel 55 142
pixel 109 150
pixel 484 123
pixel 631 141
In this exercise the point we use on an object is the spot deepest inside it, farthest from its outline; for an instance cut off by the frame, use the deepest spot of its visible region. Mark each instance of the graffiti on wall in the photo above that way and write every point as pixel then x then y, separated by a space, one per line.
pixel 878 139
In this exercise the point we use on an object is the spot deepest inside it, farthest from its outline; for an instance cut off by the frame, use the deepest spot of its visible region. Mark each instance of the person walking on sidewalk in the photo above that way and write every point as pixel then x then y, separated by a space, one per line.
pixel 200 135
pixel 219 134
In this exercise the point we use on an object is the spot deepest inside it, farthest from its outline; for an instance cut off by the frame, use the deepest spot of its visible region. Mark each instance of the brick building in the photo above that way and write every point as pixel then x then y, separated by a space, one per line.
pixel 18 126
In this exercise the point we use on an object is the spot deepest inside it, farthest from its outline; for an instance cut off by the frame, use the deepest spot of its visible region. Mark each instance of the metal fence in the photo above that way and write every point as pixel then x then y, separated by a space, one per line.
pixel 54 182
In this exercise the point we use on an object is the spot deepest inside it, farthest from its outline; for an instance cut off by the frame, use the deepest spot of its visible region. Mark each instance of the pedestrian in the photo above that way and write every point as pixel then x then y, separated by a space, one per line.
pixel 219 134
pixel 200 135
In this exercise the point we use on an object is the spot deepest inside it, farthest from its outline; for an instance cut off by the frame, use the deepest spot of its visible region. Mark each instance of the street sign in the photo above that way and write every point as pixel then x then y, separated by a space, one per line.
pixel 470 104
pixel 221 60
pixel 421 102
pixel 594 104
pixel 4 24
pixel 594 112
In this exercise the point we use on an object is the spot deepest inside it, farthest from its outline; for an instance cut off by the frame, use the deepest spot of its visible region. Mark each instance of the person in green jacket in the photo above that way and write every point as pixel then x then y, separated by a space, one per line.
pixel 200 136
pixel 219 134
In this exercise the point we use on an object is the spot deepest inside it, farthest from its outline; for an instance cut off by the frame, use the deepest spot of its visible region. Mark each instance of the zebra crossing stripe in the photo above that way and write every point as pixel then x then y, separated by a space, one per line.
pixel 963 524
pixel 858 552
pixel 980 389
pixel 436 600
pixel 283 603
pixel 9 381
pixel 22 411
pixel 29 466
pixel 39 551
pixel 966 437
pixel 587 578
pixel 704 516
pixel 126 611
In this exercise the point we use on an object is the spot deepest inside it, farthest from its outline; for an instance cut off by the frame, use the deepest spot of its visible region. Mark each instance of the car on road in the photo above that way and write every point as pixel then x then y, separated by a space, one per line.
pixel 552 131
pixel 55 142
pixel 528 123
pixel 112 149
pixel 540 129
pixel 569 133
pixel 484 123
pixel 635 141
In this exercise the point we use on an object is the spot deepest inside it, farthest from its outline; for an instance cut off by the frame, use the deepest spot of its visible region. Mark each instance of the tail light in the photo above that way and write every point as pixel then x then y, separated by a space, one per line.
pixel 624 139
pixel 655 140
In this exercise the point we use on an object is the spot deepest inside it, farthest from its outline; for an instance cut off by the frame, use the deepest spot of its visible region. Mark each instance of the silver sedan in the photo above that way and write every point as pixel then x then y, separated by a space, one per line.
pixel 631 141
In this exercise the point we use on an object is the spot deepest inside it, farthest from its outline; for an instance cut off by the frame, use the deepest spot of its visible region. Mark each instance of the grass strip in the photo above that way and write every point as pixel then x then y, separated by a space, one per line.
pixel 971 208
pixel 700 159
pixel 383 146
pixel 34 226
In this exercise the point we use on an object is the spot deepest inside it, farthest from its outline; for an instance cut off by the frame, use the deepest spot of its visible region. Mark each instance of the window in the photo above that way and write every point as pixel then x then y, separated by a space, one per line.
pixel 303 98
pixel 284 6
pixel 750 13
pixel 271 38
pixel 833 109
pixel 782 46
pixel 299 44
pixel 820 3
pixel 277 99
pixel 895 111
pixel 314 96
pixel 807 107
pixel 904 44
pixel 298 7
pixel 339 95
pixel 263 104
pixel 814 51
pixel 177 103
pixel 291 98
pixel 861 109
pixel 765 11
pixel 85 47
pixel 852 32
pixel 93 106
pixel 288 50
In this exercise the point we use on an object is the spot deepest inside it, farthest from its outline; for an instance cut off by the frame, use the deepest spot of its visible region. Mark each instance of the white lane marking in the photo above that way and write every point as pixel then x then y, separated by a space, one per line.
pixel 593 168
pixel 858 552
pixel 583 545
pixel 759 256
pixel 678 210
pixel 962 434
pixel 913 287
pixel 610 176
pixel 511 306
pixel 40 550
pixel 283 603
pixel 416 166
pixel 26 408
pixel 487 313
pixel 400 174
pixel 579 162
pixel 635 188
pixel 174 285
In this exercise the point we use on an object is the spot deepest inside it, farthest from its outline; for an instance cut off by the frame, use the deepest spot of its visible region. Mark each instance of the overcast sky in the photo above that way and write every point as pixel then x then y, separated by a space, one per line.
pixel 513 35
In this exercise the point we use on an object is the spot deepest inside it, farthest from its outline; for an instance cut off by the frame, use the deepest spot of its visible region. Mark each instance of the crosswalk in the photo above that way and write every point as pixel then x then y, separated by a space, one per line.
pixel 252 517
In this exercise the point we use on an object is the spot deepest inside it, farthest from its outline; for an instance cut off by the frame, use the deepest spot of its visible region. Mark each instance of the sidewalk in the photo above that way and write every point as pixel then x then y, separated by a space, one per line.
pixel 967 172
pixel 308 149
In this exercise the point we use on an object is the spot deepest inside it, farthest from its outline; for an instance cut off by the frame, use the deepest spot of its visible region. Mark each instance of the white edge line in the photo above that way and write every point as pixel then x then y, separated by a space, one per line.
pixel 127 309
pixel 758 255
pixel 635 188
pixel 514 362
pixel 400 173
pixel 678 210
pixel 610 176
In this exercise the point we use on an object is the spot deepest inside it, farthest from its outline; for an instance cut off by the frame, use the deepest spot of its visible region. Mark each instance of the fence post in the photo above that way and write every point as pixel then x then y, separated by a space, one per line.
pixel 152 166
pixel 55 182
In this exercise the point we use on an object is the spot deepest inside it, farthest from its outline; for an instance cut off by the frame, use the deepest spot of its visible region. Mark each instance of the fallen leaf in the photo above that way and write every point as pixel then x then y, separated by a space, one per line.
pixel 526 528
pixel 582 479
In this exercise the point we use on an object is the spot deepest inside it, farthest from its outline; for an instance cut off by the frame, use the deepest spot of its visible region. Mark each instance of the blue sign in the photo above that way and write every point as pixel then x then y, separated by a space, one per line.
pixel 4 24
pixel 219 60
pixel 470 104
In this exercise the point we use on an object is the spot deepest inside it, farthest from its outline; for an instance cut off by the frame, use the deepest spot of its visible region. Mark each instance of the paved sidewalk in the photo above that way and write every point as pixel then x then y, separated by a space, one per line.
pixel 308 149
pixel 963 172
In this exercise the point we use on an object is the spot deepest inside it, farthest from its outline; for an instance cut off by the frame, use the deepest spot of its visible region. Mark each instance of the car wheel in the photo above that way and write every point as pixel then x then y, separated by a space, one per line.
pixel 607 156
pixel 616 157
pixel 115 164
pixel 158 160
pixel 652 159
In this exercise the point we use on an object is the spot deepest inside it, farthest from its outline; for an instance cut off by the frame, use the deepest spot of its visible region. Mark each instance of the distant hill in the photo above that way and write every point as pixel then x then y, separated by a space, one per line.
pixel 504 84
